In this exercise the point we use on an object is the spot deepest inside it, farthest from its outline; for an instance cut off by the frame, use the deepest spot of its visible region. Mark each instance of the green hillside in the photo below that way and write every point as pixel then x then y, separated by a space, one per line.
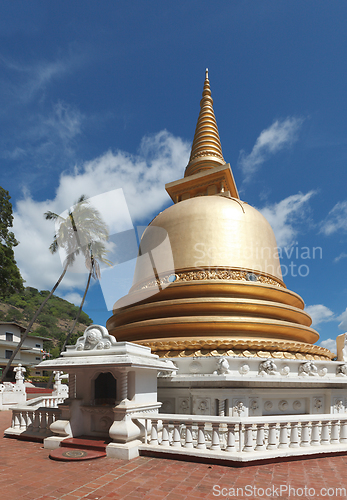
pixel 54 322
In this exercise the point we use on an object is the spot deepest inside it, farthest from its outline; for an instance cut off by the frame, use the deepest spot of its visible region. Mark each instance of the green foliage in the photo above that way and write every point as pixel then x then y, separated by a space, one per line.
pixel 11 280
pixel 38 379
pixel 14 315
pixel 54 322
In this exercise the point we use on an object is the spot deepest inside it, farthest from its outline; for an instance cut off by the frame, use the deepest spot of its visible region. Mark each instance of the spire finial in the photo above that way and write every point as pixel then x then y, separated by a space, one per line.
pixel 206 149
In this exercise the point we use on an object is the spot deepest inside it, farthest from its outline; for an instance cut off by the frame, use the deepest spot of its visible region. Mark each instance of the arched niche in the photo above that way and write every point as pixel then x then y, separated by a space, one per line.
pixel 105 389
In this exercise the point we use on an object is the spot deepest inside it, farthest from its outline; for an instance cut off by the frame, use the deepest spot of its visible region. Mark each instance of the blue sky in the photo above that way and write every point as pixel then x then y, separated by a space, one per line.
pixel 96 96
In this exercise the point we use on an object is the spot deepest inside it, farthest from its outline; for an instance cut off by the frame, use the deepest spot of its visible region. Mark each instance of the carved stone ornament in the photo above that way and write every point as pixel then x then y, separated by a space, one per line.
pixel 244 369
pixel 322 371
pixel 338 406
pixel 318 403
pixel 283 405
pixel 267 367
pixel 207 274
pixel 285 370
pixel 239 408
pixel 222 367
pixel 268 405
pixel 297 405
pixel 254 405
pixel 95 337
pixel 308 369
pixel 341 370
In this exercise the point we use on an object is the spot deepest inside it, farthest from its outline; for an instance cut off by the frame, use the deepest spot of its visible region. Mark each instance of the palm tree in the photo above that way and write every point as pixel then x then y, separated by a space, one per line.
pixel 83 230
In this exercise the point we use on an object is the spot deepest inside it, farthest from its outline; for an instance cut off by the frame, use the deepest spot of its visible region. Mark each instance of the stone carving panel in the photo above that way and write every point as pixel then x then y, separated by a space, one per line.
pixel 95 337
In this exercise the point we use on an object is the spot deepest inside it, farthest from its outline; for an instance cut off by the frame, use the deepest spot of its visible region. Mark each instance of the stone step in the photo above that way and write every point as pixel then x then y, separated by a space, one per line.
pixel 80 448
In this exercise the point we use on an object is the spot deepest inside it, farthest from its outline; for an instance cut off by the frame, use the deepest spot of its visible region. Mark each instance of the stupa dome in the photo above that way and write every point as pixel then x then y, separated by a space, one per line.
pixel 212 232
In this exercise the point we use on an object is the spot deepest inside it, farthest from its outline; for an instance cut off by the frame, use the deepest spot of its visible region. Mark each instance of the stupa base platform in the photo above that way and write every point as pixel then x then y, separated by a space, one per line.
pixel 253 386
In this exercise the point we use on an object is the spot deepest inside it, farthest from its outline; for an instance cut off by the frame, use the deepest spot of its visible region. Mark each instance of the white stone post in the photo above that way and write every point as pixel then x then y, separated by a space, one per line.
pixel 176 441
pixel 315 434
pixel 343 431
pixel 294 435
pixel 215 437
pixel 230 438
pixel 305 440
pixel 165 441
pixel 189 436
pixel 154 432
pixel 334 432
pixel 260 437
pixel 201 436
pixel 325 439
pixel 283 435
pixel 248 438
pixel 272 440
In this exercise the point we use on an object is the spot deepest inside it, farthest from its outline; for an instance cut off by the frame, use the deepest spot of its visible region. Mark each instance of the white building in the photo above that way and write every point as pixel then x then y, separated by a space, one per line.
pixel 29 355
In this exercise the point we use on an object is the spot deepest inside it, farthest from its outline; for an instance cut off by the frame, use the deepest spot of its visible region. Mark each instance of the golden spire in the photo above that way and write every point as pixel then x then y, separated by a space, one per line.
pixel 206 149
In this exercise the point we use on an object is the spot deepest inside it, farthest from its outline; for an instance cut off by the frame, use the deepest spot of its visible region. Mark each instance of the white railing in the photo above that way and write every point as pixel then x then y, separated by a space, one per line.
pixel 245 439
pixel 35 417
pixel 46 401
pixel 33 423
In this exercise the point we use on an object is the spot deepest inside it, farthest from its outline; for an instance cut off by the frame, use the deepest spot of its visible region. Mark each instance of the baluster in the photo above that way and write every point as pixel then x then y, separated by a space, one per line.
pixel 146 431
pixel 325 438
pixel 343 431
pixel 15 420
pixel 294 435
pixel 315 434
pixel 283 435
pixel 272 439
pixel 260 437
pixel 201 436
pixel 305 436
pixel 334 438
pixel 22 421
pixel 176 441
pixel 230 437
pixel 248 437
pixel 215 437
pixel 49 419
pixel 154 432
pixel 189 435
pixel 165 441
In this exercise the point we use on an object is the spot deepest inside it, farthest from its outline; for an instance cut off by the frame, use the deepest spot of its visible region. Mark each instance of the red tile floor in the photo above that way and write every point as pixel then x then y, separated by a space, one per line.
pixel 27 473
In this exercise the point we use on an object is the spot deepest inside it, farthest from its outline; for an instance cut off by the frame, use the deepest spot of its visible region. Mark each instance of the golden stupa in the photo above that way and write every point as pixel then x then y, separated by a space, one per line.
pixel 221 290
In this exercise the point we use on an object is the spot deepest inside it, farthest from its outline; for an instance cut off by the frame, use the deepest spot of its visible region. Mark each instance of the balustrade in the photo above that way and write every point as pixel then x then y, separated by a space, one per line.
pixel 235 435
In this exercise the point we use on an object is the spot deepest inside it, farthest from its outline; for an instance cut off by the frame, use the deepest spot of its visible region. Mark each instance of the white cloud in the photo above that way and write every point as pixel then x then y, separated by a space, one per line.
pixel 336 219
pixel 280 134
pixel 319 314
pixel 284 215
pixel 343 319
pixel 161 158
pixel 74 298
pixel 342 255
pixel 329 344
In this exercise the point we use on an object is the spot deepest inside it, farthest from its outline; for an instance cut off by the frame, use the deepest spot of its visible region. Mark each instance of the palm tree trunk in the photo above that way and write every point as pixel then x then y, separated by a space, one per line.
pixel 25 334
pixel 74 324
pixel 78 314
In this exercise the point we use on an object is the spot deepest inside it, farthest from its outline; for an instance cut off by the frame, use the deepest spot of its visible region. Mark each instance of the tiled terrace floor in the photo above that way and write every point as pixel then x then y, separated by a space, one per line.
pixel 28 474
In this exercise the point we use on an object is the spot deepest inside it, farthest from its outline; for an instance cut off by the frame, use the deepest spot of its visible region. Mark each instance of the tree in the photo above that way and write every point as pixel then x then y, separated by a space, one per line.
pixel 81 230
pixel 11 280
